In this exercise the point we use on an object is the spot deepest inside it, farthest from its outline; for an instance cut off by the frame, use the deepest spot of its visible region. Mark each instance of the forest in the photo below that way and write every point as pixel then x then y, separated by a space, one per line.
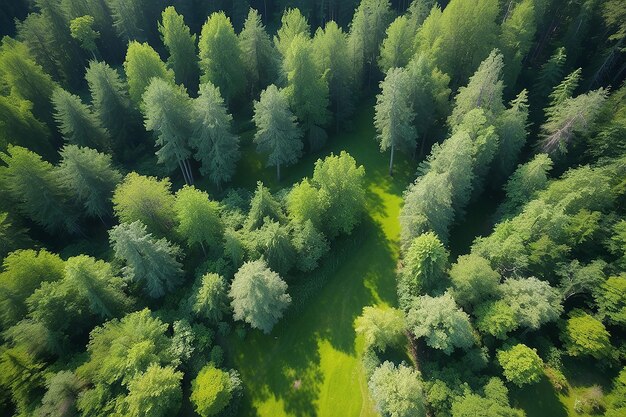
pixel 358 208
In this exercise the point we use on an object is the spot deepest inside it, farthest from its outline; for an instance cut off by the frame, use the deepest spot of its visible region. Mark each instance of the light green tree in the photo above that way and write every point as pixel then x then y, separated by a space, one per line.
pixel 397 391
pixel 181 45
pixel 511 128
pixel 534 302
pixel 198 218
pixel 81 29
pixel 521 365
pixel 397 48
pixel 141 65
pixel 273 243
pixel 310 245
pixel 584 335
pixel 516 38
pixel 381 327
pixel 473 280
pixel 209 297
pixel 292 25
pixel 155 393
pixel 257 53
pixel 263 206
pixel 20 127
pixel 213 389
pixel 496 318
pixel 306 202
pixel 611 300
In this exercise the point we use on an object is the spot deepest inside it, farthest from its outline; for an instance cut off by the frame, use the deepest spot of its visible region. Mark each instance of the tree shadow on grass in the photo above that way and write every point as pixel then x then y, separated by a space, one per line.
pixel 538 400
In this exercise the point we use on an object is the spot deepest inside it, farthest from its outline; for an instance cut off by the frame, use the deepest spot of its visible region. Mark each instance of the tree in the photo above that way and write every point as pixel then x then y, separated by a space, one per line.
pixel 258 296
pixel 257 53
pixel 37 191
pixel 397 391
pixel 263 206
pixel 91 178
pixel 423 268
pixel 209 297
pixel 167 111
pixel 484 90
pixel 22 377
pixel 217 148
pixel 148 261
pixel 394 114
pixel 59 400
pixel 473 280
pixel 511 128
pixel 516 38
pixel 496 318
pixel 111 104
pixel 576 279
pixel 20 127
pixel 141 65
pixel 23 272
pixel 306 202
pixel 277 132
pixel 310 245
pixel 130 18
pixel 25 78
pixel 220 57
pixel 584 335
pixel 198 218
pixel 340 179
pixel 381 327
pixel 146 199
pixel 573 117
pixel 78 125
pixel 521 365
pixel 306 91
pixel 563 91
pixel 81 29
pixel 96 282
pixel 495 403
pixel 611 300
pixel 441 322
pixel 534 302
pixel 181 45
pixel 155 393
pixel 292 25
pixel 397 48
pixel 550 73
pixel 12 235
pixel 213 389
pixel 273 244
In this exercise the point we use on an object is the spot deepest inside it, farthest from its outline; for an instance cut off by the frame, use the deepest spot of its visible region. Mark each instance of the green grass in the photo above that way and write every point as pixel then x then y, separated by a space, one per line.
pixel 316 342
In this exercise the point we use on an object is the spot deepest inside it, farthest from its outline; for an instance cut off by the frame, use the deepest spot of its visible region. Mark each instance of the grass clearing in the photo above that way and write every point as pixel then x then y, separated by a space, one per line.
pixel 310 364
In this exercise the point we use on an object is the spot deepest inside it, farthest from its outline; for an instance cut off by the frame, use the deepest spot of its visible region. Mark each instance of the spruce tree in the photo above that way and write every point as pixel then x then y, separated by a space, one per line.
pixel 142 63
pixel 257 54
pixel 292 25
pixel 181 45
pixel 397 48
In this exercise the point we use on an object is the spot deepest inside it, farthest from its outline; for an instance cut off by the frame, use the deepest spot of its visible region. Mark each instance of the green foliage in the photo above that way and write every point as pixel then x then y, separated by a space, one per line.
pixel 263 206
pixel 181 45
pixel 212 390
pixel 277 132
pixel 33 185
pixel 495 403
pixel 441 322
pixel 611 300
pixel 220 57
pixel 258 296
pixel 146 199
pixel 91 178
pixel 397 48
pixel 305 202
pixel 367 31
pixel 292 25
pixel 198 219
pixel 78 125
pixel 20 127
pixel 496 318
pixel 257 53
pixel 22 273
pixel 381 327
pixel 521 365
pixel 216 147
pixel 340 180
pixel 148 261
pixel 21 375
pixel 273 244
pixel 511 128
pixel 310 245
pixel 60 398
pixel 12 236
pixel 130 18
pixel 551 73
pixel 81 29
pixel 516 38
pixel 394 114
pixel 473 280
pixel 208 299
pixel 577 279
pixel 534 302
pixel 424 266
pixel 397 391
pixel 154 393
pixel 563 91
pixel 584 335
pixel 141 65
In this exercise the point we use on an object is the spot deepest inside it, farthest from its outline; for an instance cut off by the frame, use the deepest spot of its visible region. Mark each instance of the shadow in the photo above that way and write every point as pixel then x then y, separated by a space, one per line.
pixel 538 400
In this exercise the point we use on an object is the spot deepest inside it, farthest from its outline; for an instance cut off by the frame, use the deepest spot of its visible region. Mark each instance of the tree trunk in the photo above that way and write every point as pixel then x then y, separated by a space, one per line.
pixel 391 161
pixel 182 170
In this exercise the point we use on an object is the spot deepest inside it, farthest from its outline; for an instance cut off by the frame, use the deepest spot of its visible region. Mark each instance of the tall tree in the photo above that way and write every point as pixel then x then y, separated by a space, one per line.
pixel 20 127
pixel 521 364
pixel 216 147
pixel 131 18
pixel 277 133
pixel 91 178
pixel 220 57
pixel 81 29
pixel 397 391
pixel 263 206
pixel 37 190
pixel 516 38
pixel 146 199
pixel 198 218
pixel 209 297
pixel 512 130
pixel 394 114
pixel 110 103
pixel 306 90
pixel 258 296
pixel 142 63
pixel 181 45
pixel 155 393
pixel 257 54
pixel 168 111
pixel 273 243
pixel 397 48
pixel 78 125
pixel 562 91
pixel 534 302
pixel 473 280
pixel 292 25
pixel 381 327
pixel 149 261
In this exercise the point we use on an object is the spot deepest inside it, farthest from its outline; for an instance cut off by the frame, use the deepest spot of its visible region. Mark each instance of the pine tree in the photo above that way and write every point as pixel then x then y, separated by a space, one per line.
pixel 277 132
pixel 550 74
pixel 181 45
pixel 516 39
pixel 91 178
pixel 511 128
pixel 37 190
pixel 168 111
pixel 216 147
pixel 220 57
pixel 81 29
pixel 263 206
pixel 292 25
pixel 149 261
pixel 257 53
pixel 397 48
pixel 394 114
pixel 142 63
pixel 564 90
pixel 130 19
pixel 20 127
pixel 77 123
pixel 198 218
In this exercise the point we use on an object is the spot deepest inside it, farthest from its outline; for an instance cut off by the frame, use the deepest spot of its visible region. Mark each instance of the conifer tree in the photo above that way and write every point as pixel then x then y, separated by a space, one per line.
pixel 257 53
pixel 397 48
pixel 511 128
pixel 20 127
pixel 81 29
pixel 142 63
pixel 564 90
pixel 550 74
pixel 215 146
pixel 516 38
pixel 181 45
pixel 277 132
pixel 263 206
pixel 292 25
pixel 198 218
